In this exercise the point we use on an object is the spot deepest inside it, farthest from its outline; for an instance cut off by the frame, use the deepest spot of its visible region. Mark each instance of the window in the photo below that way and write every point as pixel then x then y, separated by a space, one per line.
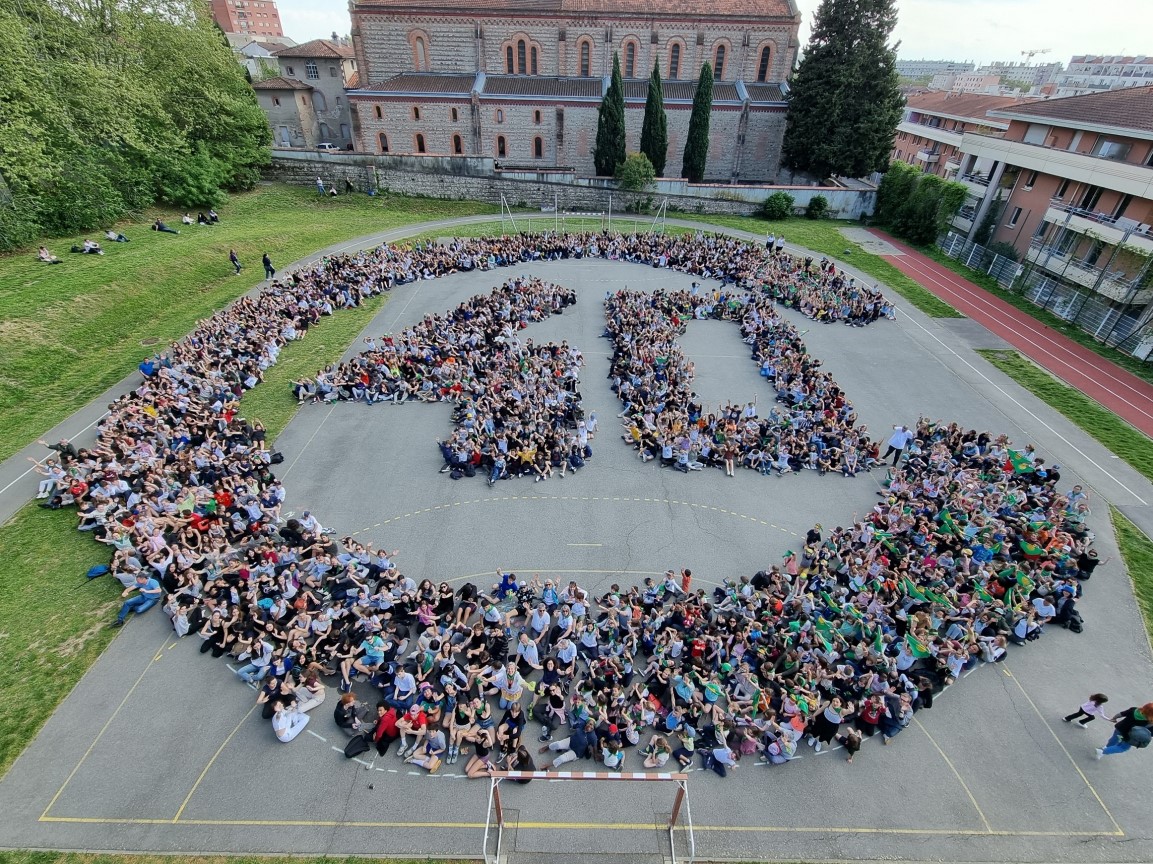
pixel 325 133
pixel 455 116
pixel 532 61
pixel 419 143
pixel 311 71
pixel 378 112
pixel 420 54
pixel 319 102
pixel 585 58
pixel 508 65
pixel 1031 180
pixel 521 57
pixel 1016 215
pixel 499 115
pixel 675 61
pixel 501 150
pixel 719 65
pixel 536 117
pixel 276 101
pixel 763 66
pixel 538 147
pixel 344 131
pixel 457 145
pixel 415 112
pixel 339 103
pixel 383 143
pixel 1113 150
pixel 1062 189
pixel 630 59
pixel 332 73
pixel 290 70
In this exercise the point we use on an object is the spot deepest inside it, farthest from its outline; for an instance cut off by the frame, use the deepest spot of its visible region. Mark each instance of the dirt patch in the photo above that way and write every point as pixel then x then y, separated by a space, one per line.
pixel 869 242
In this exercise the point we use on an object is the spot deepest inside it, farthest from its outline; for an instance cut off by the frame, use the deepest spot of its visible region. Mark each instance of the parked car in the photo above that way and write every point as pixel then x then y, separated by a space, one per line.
pixel 327 148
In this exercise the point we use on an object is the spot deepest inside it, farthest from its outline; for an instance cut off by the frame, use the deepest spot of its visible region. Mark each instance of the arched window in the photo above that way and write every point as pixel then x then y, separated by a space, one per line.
pixel 719 64
pixel 455 116
pixel 532 61
pixel 585 58
pixel 538 147
pixel 536 117
pixel 379 113
pixel 318 101
pixel 630 59
pixel 521 57
pixel 457 145
pixel 325 134
pixel 763 66
pixel 419 143
pixel 508 65
pixel 421 54
pixel 501 150
pixel 415 112
pixel 675 61
pixel 311 70
pixel 499 115
pixel 383 143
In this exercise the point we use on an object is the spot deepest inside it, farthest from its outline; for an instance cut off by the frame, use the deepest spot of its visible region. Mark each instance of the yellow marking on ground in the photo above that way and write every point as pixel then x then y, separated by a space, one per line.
pixel 211 762
pixel 957 774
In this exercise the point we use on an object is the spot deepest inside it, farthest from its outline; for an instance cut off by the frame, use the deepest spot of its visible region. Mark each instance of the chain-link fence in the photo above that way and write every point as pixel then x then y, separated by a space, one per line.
pixel 1090 311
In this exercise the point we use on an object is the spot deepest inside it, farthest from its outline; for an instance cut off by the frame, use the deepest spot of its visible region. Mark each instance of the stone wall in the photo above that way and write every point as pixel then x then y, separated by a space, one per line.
pixel 412 176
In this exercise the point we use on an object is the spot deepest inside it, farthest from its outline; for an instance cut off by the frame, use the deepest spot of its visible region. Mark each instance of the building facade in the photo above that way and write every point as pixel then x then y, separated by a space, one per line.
pixel 966 82
pixel 1033 75
pixel 1097 73
pixel 929 68
pixel 1069 184
pixel 522 80
pixel 257 18
pixel 306 102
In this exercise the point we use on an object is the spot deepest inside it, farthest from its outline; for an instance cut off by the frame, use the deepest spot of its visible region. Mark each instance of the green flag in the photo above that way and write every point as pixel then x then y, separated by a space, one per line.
pixel 916 647
pixel 1019 463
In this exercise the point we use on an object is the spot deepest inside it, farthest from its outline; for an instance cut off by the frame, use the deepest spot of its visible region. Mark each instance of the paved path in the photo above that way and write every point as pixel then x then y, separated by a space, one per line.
pixel 1121 392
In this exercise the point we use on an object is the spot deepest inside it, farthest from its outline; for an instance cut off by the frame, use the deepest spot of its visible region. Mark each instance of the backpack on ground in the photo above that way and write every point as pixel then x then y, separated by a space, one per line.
pixel 469 470
pixel 98 570
pixel 356 745
pixel 455 474
pixel 1075 623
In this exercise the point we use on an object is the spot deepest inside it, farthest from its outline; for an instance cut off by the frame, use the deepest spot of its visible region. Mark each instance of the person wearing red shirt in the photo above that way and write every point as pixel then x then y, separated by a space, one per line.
pixel 386 730
pixel 414 722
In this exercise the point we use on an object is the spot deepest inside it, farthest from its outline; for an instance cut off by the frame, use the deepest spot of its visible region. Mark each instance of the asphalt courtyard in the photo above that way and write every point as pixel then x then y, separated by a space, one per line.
pixel 160 749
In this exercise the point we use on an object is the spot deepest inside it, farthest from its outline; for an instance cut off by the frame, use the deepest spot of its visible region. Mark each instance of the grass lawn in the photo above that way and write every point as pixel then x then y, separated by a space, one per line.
pixel 70 331
pixel 1137 552
pixel 1121 438
pixel 91 858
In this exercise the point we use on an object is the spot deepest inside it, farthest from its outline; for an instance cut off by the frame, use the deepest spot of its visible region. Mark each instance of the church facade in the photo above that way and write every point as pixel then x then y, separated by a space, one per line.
pixel 521 81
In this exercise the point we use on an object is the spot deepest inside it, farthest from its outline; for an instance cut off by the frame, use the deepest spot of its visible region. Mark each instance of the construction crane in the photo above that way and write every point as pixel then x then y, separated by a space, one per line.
pixel 1030 54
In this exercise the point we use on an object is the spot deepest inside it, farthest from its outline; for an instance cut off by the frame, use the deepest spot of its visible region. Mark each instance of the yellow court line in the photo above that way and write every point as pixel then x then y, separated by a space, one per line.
pixel 1065 750
pixel 155 657
pixel 581 826
pixel 211 762
pixel 957 774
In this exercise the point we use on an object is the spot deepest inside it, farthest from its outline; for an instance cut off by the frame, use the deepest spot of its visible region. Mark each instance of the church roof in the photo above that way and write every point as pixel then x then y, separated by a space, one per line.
pixel 317 48
pixel 681 91
pixel 533 85
pixel 765 93
pixel 678 8
pixel 424 82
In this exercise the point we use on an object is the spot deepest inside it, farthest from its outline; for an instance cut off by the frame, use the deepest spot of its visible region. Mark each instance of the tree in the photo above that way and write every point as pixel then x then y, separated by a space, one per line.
pixel 896 187
pixel 697 142
pixel 636 172
pixel 845 102
pixel 610 149
pixel 818 208
pixel 778 206
pixel 654 130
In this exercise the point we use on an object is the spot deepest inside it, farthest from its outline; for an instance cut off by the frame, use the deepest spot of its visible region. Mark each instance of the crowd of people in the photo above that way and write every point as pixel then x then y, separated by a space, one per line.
pixel 970 548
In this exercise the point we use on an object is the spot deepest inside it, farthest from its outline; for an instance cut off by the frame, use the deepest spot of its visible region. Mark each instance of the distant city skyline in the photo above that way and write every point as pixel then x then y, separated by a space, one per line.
pixel 978 30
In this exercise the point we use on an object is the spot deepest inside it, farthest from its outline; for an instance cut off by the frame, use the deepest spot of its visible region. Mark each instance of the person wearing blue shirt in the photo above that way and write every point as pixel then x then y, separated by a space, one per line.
pixel 148 595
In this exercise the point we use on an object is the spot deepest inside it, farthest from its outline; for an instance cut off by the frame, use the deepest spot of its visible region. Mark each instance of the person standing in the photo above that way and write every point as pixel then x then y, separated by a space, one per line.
pixel 1132 728
pixel 1090 709
pixel 235 261
pixel 319 186
pixel 898 441
pixel 269 270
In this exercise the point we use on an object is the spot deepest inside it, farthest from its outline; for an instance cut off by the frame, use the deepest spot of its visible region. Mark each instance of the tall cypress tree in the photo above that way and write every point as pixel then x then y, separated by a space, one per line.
pixel 845 102
pixel 654 130
pixel 610 149
pixel 697 142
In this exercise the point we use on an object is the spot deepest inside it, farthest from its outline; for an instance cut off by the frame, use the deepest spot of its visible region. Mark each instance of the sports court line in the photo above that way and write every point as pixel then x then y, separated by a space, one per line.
pixel 577 826
pixel 957 774
pixel 155 658
pixel 211 762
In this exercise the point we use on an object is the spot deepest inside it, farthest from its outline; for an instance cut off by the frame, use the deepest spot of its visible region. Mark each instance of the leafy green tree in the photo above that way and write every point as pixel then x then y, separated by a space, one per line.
pixel 636 172
pixel 778 206
pixel 818 208
pixel 697 141
pixel 895 189
pixel 654 130
pixel 610 147
pixel 845 102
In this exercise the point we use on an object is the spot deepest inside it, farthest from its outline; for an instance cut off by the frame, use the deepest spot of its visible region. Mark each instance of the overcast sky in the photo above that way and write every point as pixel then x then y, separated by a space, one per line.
pixel 980 30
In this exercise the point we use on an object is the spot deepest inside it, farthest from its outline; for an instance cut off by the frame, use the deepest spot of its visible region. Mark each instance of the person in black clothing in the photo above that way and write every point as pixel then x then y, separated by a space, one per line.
pixel 235 261
pixel 1125 722
pixel 269 270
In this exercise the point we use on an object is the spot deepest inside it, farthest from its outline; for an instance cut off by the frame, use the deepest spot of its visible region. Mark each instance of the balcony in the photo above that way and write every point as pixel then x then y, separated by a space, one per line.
pixel 978 184
pixel 1114 285
pixel 932 133
pixel 1135 180
pixel 1102 226
pixel 929 157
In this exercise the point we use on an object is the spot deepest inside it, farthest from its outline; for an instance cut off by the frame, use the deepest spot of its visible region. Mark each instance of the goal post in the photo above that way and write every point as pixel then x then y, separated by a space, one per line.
pixel 680 816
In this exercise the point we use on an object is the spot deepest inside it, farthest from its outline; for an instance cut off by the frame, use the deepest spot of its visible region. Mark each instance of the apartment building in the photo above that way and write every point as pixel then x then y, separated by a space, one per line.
pixel 966 82
pixel 929 68
pixel 257 18
pixel 1069 184
pixel 929 135
pixel 1089 73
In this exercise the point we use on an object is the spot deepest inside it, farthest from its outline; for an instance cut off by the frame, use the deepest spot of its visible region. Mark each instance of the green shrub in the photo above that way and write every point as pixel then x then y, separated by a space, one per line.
pixel 818 208
pixel 778 206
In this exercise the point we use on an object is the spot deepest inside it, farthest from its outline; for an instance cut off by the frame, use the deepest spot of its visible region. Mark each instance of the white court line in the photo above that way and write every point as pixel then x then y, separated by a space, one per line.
pixel 1005 393
pixel 69 438
pixel 314 735
pixel 1049 353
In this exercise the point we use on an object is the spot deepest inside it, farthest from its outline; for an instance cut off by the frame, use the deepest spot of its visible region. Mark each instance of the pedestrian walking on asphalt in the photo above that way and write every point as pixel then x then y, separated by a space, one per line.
pixel 1092 708
pixel 1131 729
pixel 269 270
pixel 235 261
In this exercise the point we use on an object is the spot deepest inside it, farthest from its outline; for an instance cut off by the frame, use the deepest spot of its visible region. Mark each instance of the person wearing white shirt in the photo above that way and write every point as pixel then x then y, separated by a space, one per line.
pixel 288 722
pixel 898 441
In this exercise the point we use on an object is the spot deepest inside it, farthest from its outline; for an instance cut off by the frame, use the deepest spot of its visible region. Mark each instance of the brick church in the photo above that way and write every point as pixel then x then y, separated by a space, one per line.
pixel 521 80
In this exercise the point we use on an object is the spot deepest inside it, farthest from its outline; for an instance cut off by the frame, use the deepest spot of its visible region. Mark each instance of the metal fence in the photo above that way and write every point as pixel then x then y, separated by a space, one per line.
pixel 1091 312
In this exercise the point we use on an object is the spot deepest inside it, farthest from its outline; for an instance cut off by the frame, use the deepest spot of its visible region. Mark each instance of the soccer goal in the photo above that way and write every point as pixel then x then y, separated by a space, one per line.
pixel 679 820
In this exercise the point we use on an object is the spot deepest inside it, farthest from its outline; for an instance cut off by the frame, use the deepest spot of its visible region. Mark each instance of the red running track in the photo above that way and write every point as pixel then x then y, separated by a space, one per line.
pixel 1121 392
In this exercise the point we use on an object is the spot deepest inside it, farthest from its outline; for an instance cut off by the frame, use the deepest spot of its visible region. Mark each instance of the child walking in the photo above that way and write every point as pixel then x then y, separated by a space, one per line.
pixel 1089 710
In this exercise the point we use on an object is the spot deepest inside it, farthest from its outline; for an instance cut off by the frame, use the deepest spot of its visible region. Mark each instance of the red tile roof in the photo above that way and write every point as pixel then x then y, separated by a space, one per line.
pixel 353 81
pixel 1128 108
pixel 971 106
pixel 317 48
pixel 279 83
pixel 424 82
pixel 681 91
pixel 717 8
pixel 518 85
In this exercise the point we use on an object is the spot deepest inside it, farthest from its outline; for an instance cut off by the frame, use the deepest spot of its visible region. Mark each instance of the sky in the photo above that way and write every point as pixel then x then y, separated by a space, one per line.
pixel 977 30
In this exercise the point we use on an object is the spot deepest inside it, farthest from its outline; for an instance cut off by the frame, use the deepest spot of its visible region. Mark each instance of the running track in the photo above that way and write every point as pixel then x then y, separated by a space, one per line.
pixel 1121 392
